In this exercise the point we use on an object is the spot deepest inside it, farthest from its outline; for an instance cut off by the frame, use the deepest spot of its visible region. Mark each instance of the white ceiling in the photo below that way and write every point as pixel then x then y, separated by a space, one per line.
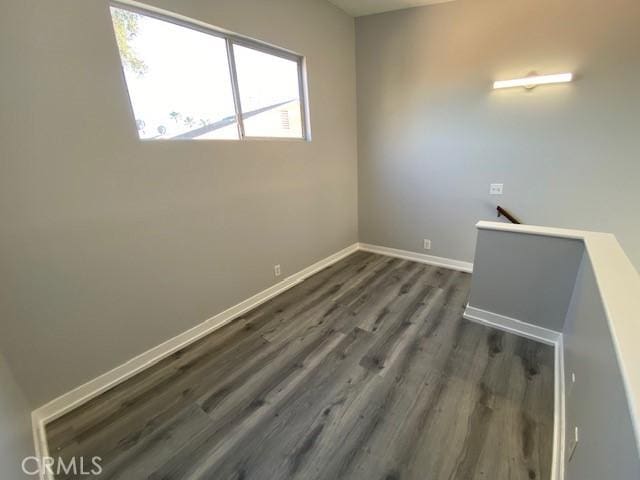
pixel 357 8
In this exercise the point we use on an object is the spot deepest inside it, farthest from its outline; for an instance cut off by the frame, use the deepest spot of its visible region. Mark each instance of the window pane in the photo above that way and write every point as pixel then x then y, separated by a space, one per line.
pixel 178 79
pixel 269 94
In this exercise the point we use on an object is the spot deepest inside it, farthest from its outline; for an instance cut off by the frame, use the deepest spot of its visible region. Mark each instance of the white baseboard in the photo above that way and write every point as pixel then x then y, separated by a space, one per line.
pixel 67 402
pixel 40 443
pixel 82 394
pixel 508 324
pixel 419 257
pixel 549 337
pixel 558 461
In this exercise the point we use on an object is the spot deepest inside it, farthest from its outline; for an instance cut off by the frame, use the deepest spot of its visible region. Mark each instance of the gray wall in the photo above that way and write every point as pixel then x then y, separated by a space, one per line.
pixel 526 277
pixel 111 246
pixel 16 441
pixel 597 403
pixel 433 135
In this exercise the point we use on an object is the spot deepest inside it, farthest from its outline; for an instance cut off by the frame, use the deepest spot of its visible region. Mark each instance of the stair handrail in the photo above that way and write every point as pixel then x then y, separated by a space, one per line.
pixel 504 213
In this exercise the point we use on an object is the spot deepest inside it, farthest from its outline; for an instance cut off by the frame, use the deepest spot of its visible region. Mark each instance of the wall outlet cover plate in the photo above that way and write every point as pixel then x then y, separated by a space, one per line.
pixel 496 189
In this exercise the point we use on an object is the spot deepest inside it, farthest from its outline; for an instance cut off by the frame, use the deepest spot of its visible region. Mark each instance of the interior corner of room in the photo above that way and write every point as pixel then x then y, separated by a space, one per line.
pixel 365 228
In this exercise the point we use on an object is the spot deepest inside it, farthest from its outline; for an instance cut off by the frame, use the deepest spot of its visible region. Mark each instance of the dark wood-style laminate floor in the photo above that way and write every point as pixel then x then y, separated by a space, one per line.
pixel 366 370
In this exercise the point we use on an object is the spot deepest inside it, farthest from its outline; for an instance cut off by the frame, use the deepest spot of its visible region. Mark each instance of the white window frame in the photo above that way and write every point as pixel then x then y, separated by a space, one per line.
pixel 232 39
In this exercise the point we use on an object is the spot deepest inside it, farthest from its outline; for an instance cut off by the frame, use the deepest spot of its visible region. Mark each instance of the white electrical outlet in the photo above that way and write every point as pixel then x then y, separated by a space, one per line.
pixel 574 443
pixel 427 244
pixel 276 270
pixel 496 188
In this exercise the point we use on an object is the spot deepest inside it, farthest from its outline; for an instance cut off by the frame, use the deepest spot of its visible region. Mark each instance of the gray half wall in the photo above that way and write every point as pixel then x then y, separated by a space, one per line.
pixel 597 403
pixel 111 246
pixel 526 277
pixel 433 135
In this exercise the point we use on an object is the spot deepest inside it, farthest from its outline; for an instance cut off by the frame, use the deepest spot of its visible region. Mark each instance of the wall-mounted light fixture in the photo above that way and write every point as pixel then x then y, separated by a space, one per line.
pixel 533 81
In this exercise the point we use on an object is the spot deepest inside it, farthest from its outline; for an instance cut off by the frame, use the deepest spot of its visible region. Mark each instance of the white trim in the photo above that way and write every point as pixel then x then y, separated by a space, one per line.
pixel 82 394
pixel 549 337
pixel 511 325
pixel 40 443
pixel 419 257
pixel 535 230
pixel 189 22
pixel 559 416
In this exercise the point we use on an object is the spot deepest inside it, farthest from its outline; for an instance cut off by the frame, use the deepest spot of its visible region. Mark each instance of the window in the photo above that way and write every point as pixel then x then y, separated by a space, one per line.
pixel 269 94
pixel 191 82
